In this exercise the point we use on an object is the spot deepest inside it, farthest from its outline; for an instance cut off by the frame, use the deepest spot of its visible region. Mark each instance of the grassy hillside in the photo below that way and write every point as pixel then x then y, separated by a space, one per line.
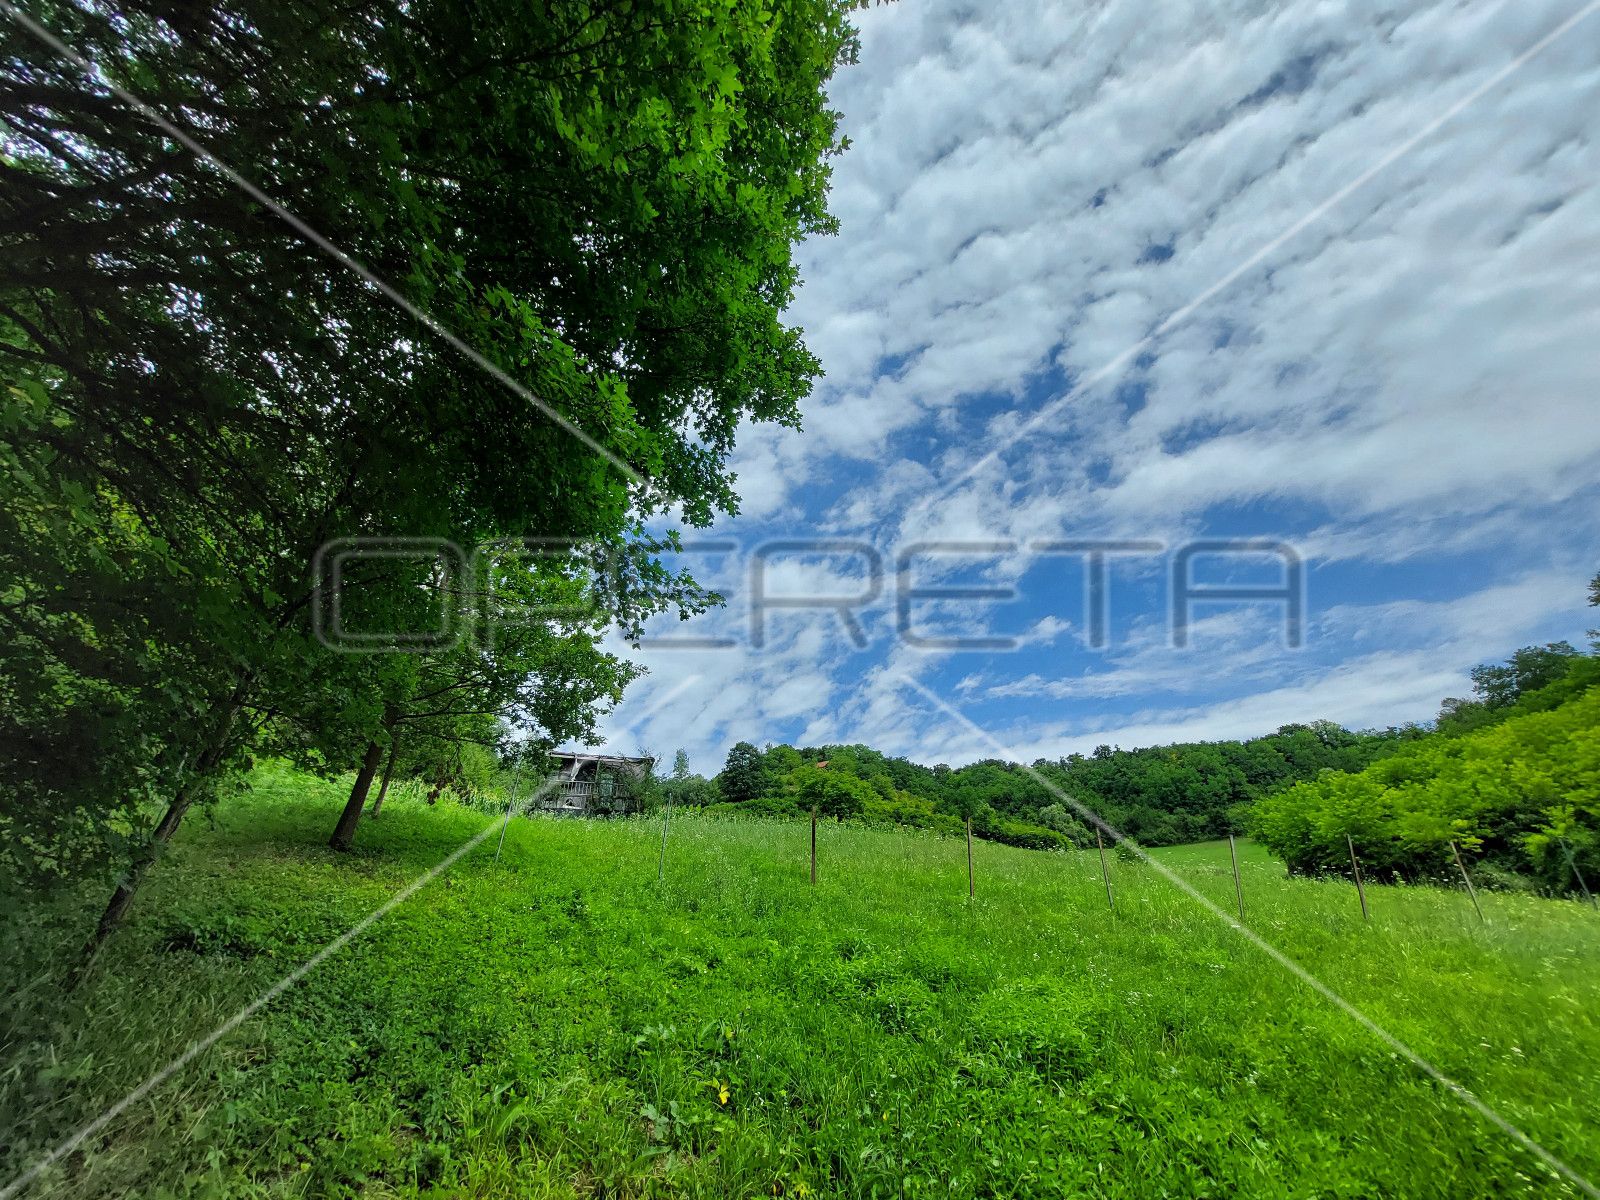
pixel 558 1024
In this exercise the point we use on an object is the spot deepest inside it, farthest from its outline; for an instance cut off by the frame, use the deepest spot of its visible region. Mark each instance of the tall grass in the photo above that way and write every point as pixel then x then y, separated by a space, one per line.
pixel 560 1024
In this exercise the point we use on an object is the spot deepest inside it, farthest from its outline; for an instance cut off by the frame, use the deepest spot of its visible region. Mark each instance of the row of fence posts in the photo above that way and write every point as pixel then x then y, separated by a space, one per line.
pixel 1105 867
pixel 1461 866
pixel 1361 890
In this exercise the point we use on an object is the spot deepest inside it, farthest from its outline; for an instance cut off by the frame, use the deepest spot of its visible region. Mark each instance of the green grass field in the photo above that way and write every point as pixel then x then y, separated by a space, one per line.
pixel 560 1024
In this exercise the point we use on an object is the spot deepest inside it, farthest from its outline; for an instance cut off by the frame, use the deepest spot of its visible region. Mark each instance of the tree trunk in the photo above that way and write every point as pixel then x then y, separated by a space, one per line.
pixel 388 770
pixel 344 833
pixel 122 898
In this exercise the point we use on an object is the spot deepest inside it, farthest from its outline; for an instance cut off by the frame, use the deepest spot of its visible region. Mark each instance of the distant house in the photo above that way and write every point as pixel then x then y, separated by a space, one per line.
pixel 591 784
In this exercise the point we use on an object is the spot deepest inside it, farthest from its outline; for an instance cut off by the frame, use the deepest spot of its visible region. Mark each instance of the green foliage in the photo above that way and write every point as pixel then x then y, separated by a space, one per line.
pixel 1534 679
pixel 691 791
pixel 633 791
pixel 744 775
pixel 904 808
pixel 832 793
pixel 1578 673
pixel 1163 795
pixel 782 807
pixel 1521 795
pixel 600 200
pixel 558 1023
pixel 1528 669
pixel 1021 833
pixel 684 789
pixel 1057 817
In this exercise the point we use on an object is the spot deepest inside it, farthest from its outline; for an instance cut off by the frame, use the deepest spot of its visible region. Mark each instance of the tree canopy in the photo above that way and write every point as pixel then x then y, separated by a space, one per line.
pixel 597 203
pixel 1511 777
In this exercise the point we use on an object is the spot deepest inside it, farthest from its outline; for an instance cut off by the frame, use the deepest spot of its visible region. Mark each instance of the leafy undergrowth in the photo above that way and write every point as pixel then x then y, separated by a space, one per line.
pixel 560 1024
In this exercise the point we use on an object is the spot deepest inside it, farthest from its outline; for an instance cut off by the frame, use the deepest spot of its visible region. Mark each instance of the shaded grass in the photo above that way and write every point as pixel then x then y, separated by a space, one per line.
pixel 559 1024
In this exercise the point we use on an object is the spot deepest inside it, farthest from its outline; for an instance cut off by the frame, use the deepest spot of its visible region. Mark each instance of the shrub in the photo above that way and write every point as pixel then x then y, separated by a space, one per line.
pixel 902 808
pixel 1056 816
pixel 691 791
pixel 1021 833
pixel 761 806
pixel 1523 796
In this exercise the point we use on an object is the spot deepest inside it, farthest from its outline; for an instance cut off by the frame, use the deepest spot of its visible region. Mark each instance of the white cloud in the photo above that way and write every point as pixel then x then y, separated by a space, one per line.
pixel 1362 693
pixel 1032 189
pixel 1418 345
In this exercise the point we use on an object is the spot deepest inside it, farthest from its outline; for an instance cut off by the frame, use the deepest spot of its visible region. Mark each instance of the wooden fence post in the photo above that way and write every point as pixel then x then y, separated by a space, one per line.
pixel 516 777
pixel 1361 891
pixel 972 886
pixel 661 861
pixel 1238 888
pixel 813 845
pixel 1105 871
pixel 1465 878
pixel 1572 861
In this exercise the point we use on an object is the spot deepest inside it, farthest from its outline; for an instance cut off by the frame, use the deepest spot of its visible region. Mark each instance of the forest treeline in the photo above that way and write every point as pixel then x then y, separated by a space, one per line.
pixel 1511 773
pixel 531 285
pixel 1157 796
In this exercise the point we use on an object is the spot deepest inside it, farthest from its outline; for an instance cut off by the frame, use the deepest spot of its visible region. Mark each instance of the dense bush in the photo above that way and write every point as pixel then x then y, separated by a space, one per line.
pixel 1022 833
pixel 903 808
pixel 1522 796
pixel 689 791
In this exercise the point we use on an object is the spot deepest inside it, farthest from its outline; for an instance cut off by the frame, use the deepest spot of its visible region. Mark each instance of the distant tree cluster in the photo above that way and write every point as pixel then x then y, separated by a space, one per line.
pixel 1157 796
pixel 1497 686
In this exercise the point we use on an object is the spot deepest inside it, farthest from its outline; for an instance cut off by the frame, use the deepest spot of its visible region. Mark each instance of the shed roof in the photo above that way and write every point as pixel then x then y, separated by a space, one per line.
pixel 590 756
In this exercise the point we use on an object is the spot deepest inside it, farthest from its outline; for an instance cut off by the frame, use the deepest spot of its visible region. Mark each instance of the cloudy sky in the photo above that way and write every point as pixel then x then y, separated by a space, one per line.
pixel 1316 275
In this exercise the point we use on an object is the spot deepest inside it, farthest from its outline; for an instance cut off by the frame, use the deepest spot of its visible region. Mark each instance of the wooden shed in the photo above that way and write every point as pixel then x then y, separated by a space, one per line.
pixel 588 784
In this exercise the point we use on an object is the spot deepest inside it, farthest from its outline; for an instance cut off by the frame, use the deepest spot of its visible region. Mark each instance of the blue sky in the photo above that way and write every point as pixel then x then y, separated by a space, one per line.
pixel 1074 296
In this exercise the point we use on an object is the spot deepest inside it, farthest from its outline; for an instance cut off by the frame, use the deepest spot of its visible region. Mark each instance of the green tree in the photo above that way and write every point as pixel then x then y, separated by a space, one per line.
pixel 972 799
pixel 833 793
pixel 1527 670
pixel 530 659
pixel 603 207
pixel 692 791
pixel 1594 601
pixel 744 774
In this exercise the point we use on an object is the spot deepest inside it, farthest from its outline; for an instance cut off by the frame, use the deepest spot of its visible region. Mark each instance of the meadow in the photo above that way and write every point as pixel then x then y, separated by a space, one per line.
pixel 560 1023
